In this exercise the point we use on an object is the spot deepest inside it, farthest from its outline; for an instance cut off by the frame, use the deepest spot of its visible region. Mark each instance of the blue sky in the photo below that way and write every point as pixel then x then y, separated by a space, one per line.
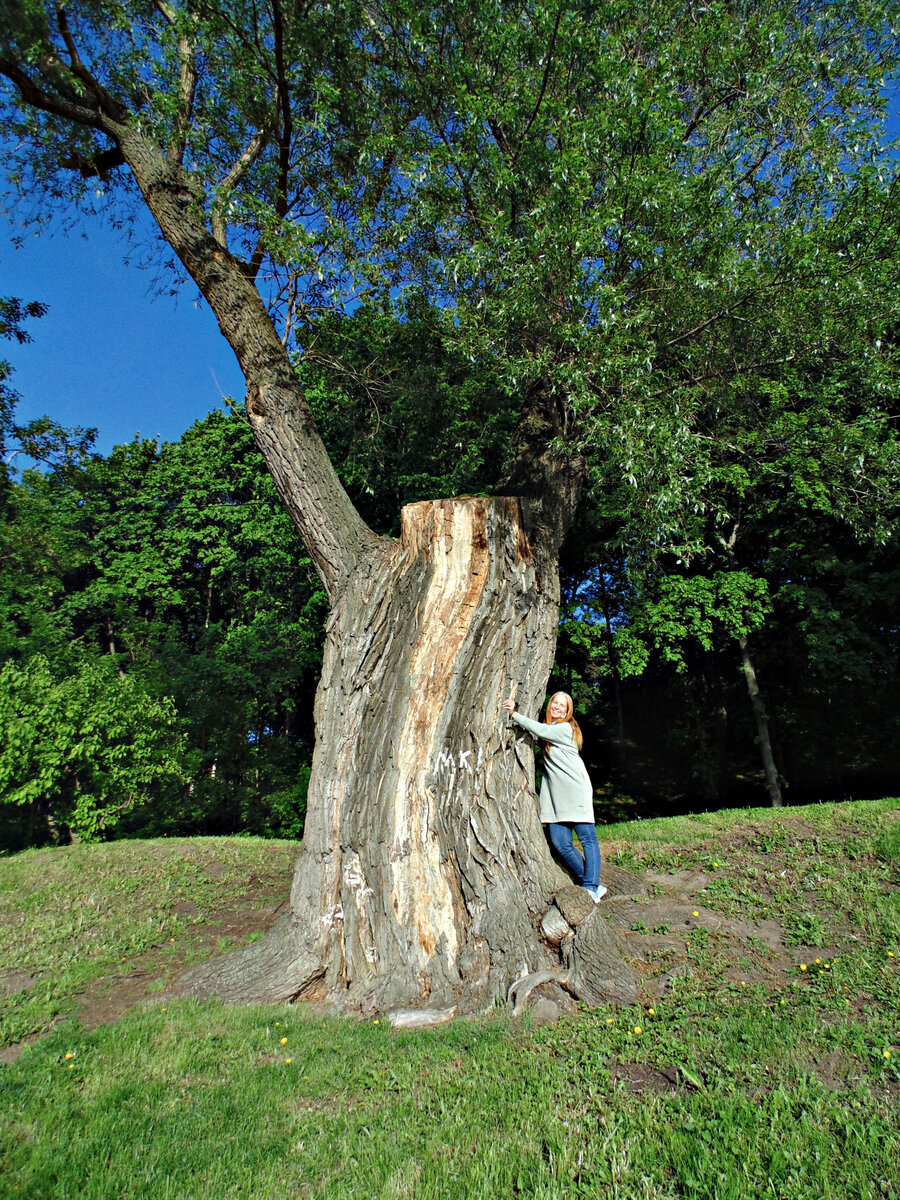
pixel 111 352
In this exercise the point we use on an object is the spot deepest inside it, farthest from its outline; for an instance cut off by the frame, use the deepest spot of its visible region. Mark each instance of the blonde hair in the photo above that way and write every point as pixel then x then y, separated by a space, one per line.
pixel 570 710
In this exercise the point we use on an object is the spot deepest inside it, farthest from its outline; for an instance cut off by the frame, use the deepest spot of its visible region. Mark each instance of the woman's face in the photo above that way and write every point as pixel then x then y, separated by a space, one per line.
pixel 558 708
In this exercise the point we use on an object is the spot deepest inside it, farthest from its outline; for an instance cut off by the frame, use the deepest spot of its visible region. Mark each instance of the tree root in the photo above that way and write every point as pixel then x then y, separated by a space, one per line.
pixel 521 989
pixel 271 971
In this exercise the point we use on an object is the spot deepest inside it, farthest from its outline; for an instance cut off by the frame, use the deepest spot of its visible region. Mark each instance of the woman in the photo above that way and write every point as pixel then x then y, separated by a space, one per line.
pixel 566 792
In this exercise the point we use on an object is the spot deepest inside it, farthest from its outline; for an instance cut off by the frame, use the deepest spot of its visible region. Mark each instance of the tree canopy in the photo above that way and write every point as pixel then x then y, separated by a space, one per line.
pixel 615 193
pixel 655 243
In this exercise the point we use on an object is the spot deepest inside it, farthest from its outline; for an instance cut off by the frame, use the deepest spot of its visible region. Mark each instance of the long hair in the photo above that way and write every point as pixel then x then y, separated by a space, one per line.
pixel 570 710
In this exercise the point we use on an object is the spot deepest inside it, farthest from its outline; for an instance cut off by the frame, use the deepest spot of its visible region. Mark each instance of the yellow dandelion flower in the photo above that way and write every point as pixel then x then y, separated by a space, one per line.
pixel 743 983
pixel 886 1053
pixel 828 966
pixel 696 914
pixel 651 1011
pixel 818 960
pixel 637 1029
pixel 288 1061
pixel 803 967
pixel 609 1021
pixel 890 954
pixel 375 1022
pixel 781 1002
pixel 71 1066
pixel 284 1041
pixel 715 864
pixel 69 1055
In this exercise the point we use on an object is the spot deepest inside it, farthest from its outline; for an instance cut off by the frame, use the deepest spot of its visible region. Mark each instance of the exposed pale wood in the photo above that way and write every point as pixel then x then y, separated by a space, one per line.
pixel 421 1018
pixel 519 991
pixel 554 927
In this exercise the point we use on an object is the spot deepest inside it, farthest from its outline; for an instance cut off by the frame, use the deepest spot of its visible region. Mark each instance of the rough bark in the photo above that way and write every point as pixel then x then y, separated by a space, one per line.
pixel 601 971
pixel 424 873
pixel 542 468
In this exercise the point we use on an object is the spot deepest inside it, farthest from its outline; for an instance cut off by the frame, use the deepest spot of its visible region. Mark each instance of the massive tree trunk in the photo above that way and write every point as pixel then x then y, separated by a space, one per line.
pixel 424 872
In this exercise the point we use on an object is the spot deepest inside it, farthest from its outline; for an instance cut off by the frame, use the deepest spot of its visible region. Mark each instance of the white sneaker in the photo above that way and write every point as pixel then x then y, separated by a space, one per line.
pixel 597 893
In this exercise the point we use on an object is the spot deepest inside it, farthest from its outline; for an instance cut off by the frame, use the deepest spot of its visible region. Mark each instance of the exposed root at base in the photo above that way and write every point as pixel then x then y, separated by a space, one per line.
pixel 522 988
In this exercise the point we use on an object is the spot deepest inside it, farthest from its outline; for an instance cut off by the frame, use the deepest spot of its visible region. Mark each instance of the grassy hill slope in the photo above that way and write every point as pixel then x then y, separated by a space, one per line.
pixel 770 1068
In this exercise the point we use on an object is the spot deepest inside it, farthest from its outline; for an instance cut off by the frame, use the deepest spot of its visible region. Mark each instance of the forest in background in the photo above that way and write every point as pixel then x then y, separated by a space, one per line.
pixel 161 626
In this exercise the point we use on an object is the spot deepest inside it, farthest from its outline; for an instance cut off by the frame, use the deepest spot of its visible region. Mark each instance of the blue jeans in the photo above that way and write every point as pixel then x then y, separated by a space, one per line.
pixel 587 870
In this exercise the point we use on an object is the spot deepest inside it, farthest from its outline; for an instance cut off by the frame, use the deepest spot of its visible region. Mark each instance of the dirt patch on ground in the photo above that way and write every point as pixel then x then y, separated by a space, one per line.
pixel 686 882
pixel 638 1077
pixel 107 998
pixel 659 929
pixel 145 976
pixel 15 981
pixel 835 1069
pixel 664 915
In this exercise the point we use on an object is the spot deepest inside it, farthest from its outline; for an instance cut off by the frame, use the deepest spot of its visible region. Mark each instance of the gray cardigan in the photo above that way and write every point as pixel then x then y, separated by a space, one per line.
pixel 566 792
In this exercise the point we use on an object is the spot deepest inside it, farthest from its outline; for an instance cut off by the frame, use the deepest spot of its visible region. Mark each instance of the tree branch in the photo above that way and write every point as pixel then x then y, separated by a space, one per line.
pixel 99 164
pixel 80 71
pixel 187 83
pixel 549 478
pixel 239 169
pixel 544 82
pixel 335 535
pixel 287 121
pixel 57 106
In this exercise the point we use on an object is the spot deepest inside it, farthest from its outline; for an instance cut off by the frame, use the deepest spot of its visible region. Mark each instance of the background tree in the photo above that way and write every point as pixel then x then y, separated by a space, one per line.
pixel 81 752
pixel 601 202
pixel 178 566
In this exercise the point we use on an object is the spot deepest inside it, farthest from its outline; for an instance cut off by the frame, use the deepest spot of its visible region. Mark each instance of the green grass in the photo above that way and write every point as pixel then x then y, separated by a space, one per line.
pixel 785 1089
pixel 69 916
